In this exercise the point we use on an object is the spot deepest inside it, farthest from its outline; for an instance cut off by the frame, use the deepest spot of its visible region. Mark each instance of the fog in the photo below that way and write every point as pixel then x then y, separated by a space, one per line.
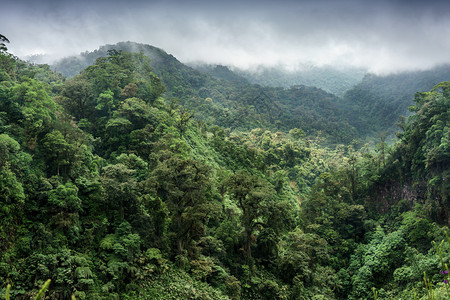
pixel 381 36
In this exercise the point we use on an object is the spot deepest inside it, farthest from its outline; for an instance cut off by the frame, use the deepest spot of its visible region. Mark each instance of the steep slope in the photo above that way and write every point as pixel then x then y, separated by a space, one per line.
pixel 330 79
pixel 221 72
pixel 224 98
pixel 375 104
pixel 421 160
pixel 168 68
pixel 112 191
pixel 380 210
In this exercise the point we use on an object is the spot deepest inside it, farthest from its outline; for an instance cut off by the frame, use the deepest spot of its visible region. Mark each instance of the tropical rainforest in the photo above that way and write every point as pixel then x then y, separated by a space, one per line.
pixel 125 174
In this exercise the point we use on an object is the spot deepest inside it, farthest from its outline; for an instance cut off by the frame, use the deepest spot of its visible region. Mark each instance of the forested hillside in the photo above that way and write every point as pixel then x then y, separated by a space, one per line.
pixel 362 111
pixel 135 182
pixel 333 80
pixel 226 99
pixel 376 103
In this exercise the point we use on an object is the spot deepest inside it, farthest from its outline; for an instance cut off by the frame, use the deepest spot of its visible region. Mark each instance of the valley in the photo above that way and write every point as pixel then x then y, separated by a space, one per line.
pixel 126 174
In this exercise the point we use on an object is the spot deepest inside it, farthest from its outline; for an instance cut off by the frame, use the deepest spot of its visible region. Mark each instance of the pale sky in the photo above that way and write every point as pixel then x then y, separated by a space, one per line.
pixel 382 36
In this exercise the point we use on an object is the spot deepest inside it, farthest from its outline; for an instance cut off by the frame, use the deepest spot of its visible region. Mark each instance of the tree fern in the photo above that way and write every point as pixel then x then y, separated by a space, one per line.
pixel 108 241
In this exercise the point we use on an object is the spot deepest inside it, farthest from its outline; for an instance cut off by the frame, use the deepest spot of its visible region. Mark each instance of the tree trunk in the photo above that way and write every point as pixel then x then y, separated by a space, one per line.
pixel 248 244
pixel 180 236
pixel 180 245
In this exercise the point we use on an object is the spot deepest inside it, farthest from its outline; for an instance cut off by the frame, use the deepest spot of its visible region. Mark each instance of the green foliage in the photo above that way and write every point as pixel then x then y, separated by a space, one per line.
pixel 184 185
pixel 106 102
pixel 12 200
pixel 38 109
pixel 11 190
pixel 232 103
pixel 325 77
pixel 375 104
pixel 422 156
pixel 77 98
pixel 8 147
pixel 300 254
pixel 38 296
pixel 3 40
pixel 43 290
pixel 58 152
pixel 120 191
pixel 114 191
pixel 383 254
pixel 177 284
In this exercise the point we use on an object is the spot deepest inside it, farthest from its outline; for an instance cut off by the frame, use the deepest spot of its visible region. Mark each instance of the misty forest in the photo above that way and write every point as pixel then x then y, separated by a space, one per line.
pixel 126 174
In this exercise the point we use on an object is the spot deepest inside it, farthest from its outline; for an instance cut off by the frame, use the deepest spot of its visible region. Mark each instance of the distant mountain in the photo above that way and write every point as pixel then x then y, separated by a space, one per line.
pixel 166 66
pixel 221 72
pixel 73 65
pixel 330 79
pixel 220 96
pixel 375 104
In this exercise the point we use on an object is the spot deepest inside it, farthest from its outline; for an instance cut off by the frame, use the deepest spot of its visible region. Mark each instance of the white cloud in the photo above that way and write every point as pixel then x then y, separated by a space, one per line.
pixel 377 35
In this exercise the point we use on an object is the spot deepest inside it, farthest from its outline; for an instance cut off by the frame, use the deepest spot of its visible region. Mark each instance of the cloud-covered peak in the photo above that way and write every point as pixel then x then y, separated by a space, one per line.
pixel 382 36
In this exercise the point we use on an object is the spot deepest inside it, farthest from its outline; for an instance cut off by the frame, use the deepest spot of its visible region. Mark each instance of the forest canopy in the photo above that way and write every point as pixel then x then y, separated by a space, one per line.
pixel 130 181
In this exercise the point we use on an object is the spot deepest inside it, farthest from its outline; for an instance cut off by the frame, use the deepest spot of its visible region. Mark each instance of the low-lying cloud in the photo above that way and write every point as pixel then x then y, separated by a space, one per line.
pixel 382 36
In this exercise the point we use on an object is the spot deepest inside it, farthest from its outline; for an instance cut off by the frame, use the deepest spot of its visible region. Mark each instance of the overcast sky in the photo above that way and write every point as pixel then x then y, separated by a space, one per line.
pixel 382 36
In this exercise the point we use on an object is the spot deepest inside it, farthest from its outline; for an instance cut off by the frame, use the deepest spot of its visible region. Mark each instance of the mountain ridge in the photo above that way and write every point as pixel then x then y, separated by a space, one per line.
pixel 113 190
pixel 229 100
pixel 377 102
pixel 369 107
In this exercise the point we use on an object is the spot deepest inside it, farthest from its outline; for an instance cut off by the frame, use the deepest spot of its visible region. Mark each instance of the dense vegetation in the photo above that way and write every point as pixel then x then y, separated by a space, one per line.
pixel 375 104
pixel 226 99
pixel 111 187
pixel 333 80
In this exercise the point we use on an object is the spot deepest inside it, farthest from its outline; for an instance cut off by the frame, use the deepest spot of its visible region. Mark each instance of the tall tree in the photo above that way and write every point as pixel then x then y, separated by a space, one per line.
pixel 77 98
pixel 185 186
pixel 254 196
